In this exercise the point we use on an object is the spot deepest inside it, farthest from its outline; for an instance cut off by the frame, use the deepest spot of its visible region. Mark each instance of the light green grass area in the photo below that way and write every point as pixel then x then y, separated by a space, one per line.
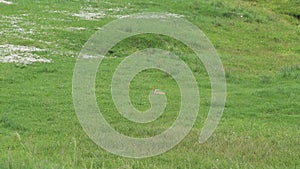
pixel 258 42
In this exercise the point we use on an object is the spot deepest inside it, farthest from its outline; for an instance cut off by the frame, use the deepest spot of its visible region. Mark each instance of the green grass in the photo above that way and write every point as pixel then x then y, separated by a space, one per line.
pixel 260 51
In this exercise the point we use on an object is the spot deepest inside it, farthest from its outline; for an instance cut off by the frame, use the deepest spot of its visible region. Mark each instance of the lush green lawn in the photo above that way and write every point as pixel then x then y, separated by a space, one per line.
pixel 258 42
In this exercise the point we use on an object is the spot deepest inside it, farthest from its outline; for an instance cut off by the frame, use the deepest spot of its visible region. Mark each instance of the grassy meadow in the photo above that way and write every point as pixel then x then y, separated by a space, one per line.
pixel 258 42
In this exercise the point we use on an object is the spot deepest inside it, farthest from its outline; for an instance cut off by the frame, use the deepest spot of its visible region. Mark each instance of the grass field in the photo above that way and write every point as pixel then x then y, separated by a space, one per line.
pixel 258 42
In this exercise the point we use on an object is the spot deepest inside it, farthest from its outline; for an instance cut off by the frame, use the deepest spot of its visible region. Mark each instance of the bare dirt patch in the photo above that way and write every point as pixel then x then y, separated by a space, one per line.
pixel 20 54
pixel 6 2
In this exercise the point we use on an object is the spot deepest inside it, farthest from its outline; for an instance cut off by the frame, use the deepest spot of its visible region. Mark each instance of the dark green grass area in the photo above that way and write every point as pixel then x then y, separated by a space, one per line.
pixel 258 43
